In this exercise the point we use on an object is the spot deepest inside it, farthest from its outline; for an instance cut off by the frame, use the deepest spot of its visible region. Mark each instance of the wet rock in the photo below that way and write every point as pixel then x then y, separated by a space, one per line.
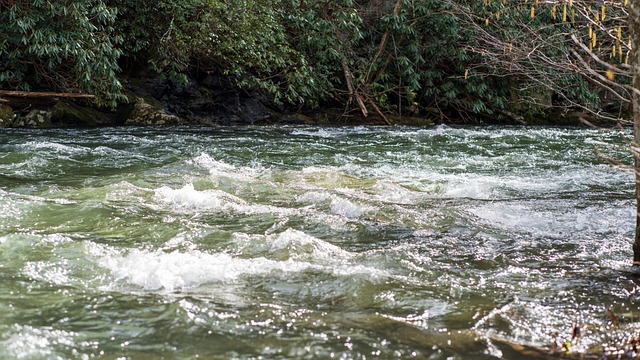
pixel 68 113
pixel 208 100
pixel 34 119
pixel 145 112
pixel 6 116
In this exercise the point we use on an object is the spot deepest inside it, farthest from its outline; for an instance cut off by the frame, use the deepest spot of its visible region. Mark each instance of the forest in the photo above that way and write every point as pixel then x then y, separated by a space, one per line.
pixel 449 61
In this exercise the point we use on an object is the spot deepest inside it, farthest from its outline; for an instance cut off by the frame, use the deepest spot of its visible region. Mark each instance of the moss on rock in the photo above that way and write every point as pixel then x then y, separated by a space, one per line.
pixel 6 116
pixel 144 112
pixel 34 119
pixel 65 114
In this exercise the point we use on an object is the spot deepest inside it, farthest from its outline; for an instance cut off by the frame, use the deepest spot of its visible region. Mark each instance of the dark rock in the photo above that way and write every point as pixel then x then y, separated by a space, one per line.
pixel 68 113
pixel 209 100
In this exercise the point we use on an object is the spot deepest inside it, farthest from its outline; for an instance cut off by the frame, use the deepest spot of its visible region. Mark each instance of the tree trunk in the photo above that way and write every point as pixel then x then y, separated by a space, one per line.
pixel 36 94
pixel 634 25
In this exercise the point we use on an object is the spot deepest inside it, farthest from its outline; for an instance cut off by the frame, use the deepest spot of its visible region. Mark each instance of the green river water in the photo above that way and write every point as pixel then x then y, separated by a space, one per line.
pixel 312 243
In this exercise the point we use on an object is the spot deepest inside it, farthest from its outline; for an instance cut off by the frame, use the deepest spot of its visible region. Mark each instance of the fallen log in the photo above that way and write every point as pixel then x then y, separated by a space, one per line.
pixel 36 94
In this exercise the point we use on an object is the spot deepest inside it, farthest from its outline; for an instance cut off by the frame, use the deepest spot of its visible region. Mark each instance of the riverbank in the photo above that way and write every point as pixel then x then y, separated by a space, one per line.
pixel 214 100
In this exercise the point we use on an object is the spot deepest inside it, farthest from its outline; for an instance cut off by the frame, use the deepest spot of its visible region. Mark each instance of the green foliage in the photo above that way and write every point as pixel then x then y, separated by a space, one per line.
pixel 242 38
pixel 413 57
pixel 457 59
pixel 64 45
pixel 248 40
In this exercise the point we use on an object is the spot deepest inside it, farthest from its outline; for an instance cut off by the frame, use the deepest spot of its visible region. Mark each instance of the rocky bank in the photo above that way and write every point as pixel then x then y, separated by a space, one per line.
pixel 151 102
pixel 213 100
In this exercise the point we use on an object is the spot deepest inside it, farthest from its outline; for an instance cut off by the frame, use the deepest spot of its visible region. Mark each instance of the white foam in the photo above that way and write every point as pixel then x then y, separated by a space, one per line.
pixel 24 169
pixel 348 209
pixel 218 168
pixel 159 270
pixel 390 192
pixel 333 132
pixel 275 255
pixel 561 222
pixel 55 147
pixel 300 245
pixel 125 191
pixel 189 198
pixel 314 197
pixel 338 205
pixel 206 161
pixel 290 244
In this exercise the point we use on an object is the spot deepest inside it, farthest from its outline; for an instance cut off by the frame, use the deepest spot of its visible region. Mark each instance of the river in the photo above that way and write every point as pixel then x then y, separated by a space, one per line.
pixel 313 242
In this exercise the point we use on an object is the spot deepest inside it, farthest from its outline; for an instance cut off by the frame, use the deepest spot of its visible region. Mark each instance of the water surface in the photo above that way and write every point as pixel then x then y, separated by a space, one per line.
pixel 307 242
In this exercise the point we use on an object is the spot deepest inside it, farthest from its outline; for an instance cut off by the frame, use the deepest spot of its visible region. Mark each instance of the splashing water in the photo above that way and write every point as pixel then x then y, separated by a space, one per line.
pixel 306 242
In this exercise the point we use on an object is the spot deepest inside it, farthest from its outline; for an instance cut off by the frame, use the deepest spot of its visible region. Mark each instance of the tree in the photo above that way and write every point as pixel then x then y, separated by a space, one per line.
pixel 567 50
pixel 61 45
pixel 560 46
pixel 391 56
pixel 634 25
pixel 241 39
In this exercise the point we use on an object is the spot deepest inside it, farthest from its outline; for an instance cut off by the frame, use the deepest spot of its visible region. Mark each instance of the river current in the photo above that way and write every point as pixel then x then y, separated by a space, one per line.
pixel 313 243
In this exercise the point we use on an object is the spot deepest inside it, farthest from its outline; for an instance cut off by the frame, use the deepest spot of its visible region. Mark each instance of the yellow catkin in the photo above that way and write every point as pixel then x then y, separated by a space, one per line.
pixel 466 74
pixel 573 16
pixel 533 12
pixel 620 52
pixel 613 51
pixel 564 13
pixel 553 12
pixel 570 3
pixel 486 22
pixel 590 32
pixel 593 40
pixel 603 13
pixel 610 74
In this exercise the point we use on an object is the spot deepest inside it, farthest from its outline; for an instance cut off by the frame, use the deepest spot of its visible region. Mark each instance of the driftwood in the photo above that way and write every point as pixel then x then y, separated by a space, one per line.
pixel 361 96
pixel 34 94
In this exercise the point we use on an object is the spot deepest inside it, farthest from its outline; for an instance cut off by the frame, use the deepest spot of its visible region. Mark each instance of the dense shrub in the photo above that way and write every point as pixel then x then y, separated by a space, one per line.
pixel 62 45
pixel 453 59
